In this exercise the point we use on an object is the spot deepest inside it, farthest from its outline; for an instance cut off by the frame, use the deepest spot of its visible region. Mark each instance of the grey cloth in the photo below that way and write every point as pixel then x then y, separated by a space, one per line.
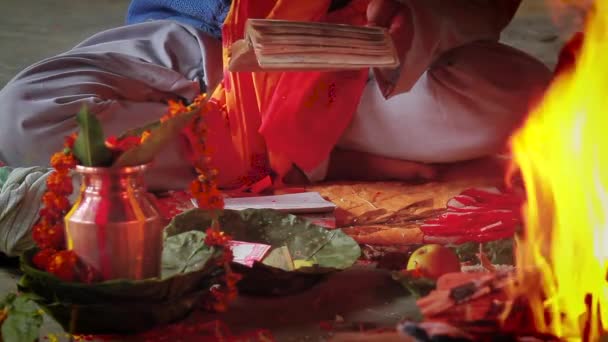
pixel 124 76
pixel 21 190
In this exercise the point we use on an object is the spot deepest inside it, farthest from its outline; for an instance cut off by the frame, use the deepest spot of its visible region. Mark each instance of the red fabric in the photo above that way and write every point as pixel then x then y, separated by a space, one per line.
pixel 294 117
pixel 308 113
pixel 476 215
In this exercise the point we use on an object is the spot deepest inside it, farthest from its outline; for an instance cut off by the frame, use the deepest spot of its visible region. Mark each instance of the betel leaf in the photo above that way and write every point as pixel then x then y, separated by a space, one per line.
pixel 184 253
pixel 339 253
pixel 89 147
pixel 128 306
pixel 136 132
pixel 318 251
pixel 7 300
pixel 23 322
pixel 158 139
pixel 331 249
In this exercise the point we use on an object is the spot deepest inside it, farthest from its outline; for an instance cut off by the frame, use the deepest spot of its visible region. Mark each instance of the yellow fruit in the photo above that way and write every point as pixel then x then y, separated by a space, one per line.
pixel 433 261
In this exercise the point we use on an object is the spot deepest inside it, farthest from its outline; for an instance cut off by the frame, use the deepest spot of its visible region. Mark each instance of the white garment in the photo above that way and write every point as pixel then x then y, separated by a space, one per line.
pixel 465 106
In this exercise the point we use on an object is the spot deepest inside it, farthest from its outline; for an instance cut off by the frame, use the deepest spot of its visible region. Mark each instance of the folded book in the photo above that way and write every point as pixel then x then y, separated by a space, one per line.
pixel 282 45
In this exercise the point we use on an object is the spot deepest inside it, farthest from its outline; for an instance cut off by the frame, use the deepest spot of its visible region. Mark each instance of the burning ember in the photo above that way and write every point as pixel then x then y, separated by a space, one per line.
pixel 562 152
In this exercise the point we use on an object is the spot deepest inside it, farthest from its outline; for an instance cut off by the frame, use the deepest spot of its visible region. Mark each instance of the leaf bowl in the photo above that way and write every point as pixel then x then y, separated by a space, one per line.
pixel 328 251
pixel 123 306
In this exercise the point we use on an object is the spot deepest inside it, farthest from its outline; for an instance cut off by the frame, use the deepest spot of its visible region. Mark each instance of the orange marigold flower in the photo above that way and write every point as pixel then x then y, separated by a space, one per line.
pixel 48 199
pixel 199 99
pixel 227 257
pixel 233 278
pixel 40 235
pixel 61 161
pixel 49 215
pixel 48 236
pixel 55 202
pixel 63 265
pixel 195 187
pixel 60 183
pixel 215 237
pixel 69 141
pixel 210 200
pixel 56 236
pixel 175 108
pixel 219 302
pixel 43 258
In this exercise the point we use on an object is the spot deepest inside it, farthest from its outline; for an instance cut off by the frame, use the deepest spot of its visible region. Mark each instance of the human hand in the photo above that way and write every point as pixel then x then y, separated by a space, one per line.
pixel 394 16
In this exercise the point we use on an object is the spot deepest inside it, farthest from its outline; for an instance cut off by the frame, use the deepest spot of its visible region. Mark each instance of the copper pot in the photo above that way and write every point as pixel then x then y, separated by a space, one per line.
pixel 114 226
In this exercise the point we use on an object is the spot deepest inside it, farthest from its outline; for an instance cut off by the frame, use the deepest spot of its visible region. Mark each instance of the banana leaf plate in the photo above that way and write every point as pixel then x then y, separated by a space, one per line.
pixel 318 251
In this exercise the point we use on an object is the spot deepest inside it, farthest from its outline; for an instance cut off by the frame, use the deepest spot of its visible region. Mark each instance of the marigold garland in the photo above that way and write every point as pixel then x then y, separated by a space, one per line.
pixel 48 231
pixel 207 195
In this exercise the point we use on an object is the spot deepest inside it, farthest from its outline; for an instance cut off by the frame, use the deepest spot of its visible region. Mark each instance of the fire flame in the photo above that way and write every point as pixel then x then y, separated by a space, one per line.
pixel 562 153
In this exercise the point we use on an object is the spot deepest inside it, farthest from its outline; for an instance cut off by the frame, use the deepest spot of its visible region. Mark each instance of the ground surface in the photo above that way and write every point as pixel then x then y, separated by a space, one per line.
pixel 34 29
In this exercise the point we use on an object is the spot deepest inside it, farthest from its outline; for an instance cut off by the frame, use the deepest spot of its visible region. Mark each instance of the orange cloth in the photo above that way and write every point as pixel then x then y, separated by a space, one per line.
pixel 292 117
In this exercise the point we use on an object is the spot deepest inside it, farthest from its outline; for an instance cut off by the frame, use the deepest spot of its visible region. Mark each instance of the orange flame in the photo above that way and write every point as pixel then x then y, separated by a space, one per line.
pixel 562 152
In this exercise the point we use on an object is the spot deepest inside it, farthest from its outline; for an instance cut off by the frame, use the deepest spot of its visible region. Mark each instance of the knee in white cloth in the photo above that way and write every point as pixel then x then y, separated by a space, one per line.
pixel 464 107
pixel 492 81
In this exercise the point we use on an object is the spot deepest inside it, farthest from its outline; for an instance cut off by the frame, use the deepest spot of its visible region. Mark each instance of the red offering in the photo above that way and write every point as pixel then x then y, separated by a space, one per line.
pixel 476 215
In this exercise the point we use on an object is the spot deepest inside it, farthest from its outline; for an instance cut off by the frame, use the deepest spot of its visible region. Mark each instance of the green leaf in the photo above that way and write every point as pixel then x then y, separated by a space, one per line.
pixel 89 147
pixel 332 249
pixel 127 306
pixel 500 252
pixel 328 250
pixel 339 253
pixel 185 252
pixel 136 132
pixel 8 300
pixel 416 286
pixel 23 322
pixel 158 139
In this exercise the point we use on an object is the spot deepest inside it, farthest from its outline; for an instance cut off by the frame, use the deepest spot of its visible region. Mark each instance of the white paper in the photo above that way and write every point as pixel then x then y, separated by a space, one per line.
pixel 306 202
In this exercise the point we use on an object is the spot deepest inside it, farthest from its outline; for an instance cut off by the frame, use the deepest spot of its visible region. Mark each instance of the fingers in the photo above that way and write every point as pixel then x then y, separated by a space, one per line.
pixel 381 12
pixel 400 30
pixel 394 16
